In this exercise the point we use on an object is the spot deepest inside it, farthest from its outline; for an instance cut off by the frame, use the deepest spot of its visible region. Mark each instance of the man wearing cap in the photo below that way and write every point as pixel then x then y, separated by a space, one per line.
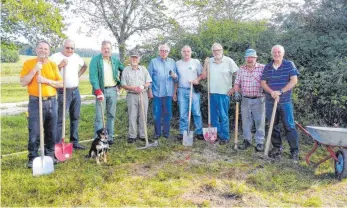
pixel 136 80
pixel 50 79
pixel 278 79
pixel 74 66
pixel 163 72
pixel 222 69
pixel 247 83
pixel 189 70
pixel 104 76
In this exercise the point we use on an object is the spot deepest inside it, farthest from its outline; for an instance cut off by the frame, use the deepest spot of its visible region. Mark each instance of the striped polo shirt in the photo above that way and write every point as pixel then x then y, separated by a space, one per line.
pixel 278 79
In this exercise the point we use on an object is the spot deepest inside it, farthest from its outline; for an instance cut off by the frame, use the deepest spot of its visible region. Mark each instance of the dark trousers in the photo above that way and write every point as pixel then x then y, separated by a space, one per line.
pixel 73 108
pixel 49 112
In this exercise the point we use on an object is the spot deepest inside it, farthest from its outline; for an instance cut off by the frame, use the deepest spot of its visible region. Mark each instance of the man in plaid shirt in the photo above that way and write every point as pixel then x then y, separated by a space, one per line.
pixel 253 104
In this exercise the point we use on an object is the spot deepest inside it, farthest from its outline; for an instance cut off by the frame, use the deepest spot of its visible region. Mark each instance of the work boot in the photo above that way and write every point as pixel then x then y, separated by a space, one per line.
pixel 224 142
pixel 259 148
pixel 131 140
pixel 30 164
pixel 78 146
pixel 275 152
pixel 295 157
pixel 179 137
pixel 245 145
pixel 199 137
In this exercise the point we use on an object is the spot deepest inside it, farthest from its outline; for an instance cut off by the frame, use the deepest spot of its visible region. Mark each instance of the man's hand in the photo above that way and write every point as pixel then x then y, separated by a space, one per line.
pixel 174 97
pixel 275 94
pixel 173 74
pixel 43 80
pixel 99 95
pixel 231 91
pixel 150 94
pixel 195 82
pixel 138 89
pixel 237 97
pixel 63 63
pixel 38 66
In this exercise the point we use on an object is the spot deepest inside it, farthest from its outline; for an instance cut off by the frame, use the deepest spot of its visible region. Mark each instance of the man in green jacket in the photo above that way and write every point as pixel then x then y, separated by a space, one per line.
pixel 104 76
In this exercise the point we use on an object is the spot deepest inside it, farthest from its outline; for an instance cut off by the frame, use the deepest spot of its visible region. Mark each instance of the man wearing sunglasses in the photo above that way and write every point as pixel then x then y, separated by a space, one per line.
pixel 74 67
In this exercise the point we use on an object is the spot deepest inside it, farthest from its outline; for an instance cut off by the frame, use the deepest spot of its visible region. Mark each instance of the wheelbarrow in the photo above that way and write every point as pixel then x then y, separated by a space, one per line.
pixel 335 142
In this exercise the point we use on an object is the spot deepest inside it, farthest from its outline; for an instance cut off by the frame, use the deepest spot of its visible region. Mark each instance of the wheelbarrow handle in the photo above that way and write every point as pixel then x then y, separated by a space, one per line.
pixel 303 129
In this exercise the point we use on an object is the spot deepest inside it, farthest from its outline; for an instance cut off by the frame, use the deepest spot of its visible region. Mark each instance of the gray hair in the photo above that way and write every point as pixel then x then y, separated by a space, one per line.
pixel 164 45
pixel 105 42
pixel 278 46
pixel 42 41
pixel 184 47
pixel 216 45
pixel 69 40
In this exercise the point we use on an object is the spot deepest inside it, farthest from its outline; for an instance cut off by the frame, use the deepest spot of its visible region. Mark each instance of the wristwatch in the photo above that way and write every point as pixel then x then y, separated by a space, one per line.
pixel 281 91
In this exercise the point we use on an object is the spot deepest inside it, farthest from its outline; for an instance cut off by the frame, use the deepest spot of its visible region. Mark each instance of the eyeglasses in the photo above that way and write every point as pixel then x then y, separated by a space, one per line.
pixel 68 48
pixel 217 50
pixel 164 51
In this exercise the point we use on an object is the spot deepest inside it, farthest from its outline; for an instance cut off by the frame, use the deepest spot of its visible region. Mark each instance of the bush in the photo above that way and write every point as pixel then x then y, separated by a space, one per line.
pixel 9 55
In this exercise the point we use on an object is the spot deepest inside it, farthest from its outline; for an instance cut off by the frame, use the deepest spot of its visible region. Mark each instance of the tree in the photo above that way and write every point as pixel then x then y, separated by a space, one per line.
pixel 30 20
pixel 123 18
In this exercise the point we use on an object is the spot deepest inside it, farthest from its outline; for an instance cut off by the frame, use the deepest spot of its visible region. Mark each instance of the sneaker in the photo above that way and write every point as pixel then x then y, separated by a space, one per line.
pixel 179 137
pixel 78 147
pixel 131 140
pixel 224 142
pixel 30 164
pixel 259 148
pixel 245 145
pixel 199 137
pixel 275 152
pixel 295 157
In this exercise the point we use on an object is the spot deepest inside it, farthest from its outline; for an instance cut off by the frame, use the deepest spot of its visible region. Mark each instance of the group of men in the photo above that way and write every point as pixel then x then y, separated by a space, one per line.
pixel 165 81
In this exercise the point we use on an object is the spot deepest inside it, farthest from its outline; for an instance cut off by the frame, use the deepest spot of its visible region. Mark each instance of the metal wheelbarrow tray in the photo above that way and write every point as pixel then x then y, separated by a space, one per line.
pixel 335 142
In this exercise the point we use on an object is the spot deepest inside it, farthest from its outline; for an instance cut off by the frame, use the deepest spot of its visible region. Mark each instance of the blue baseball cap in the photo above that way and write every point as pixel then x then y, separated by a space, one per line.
pixel 250 53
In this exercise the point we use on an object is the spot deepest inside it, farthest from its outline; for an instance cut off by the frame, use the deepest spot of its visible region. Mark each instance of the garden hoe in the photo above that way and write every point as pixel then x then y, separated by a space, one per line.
pixel 188 135
pixel 63 151
pixel 42 164
pixel 269 134
pixel 103 119
pixel 236 124
pixel 210 133
pixel 148 145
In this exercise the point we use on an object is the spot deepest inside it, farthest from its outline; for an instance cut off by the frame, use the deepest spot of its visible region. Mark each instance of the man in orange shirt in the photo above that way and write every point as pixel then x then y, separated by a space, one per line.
pixel 50 80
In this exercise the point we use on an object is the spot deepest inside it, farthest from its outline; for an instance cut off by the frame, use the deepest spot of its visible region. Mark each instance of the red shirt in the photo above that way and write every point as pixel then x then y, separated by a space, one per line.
pixel 249 80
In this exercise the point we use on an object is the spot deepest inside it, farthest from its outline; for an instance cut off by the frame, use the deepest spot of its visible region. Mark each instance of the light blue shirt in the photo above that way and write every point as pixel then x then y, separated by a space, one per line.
pixel 188 71
pixel 162 82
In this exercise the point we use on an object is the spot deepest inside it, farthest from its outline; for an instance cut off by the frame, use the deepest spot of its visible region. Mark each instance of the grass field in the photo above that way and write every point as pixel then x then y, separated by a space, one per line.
pixel 170 175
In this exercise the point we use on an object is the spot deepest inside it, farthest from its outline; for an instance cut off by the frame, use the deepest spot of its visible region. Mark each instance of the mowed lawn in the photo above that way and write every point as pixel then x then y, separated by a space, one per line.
pixel 170 175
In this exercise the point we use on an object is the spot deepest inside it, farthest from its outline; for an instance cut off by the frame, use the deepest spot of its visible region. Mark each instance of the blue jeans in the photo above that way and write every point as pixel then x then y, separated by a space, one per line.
pixel 220 114
pixel 183 102
pixel 109 107
pixel 73 107
pixel 253 110
pixel 285 113
pixel 162 111
pixel 49 114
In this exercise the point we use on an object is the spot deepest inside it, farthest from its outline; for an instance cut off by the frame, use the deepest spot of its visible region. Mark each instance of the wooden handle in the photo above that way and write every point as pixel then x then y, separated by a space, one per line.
pixel 208 94
pixel 190 105
pixel 236 124
pixel 42 145
pixel 268 139
pixel 144 118
pixel 64 105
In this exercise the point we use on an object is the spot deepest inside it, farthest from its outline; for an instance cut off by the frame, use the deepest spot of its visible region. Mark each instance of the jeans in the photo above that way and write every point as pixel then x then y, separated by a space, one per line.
pixel 183 102
pixel 285 113
pixel 136 114
pixel 220 114
pixel 253 110
pixel 73 107
pixel 109 107
pixel 49 114
pixel 162 111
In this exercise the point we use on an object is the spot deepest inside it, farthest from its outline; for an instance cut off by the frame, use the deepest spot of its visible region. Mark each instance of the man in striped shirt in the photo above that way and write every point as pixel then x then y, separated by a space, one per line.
pixel 252 106
pixel 278 79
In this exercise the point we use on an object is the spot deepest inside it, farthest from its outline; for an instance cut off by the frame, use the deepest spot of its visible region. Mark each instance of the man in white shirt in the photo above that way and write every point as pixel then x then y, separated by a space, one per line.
pixel 74 67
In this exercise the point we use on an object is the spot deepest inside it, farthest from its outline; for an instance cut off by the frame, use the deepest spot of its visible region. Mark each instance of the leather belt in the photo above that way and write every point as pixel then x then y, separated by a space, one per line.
pixel 44 98
pixel 251 97
pixel 110 87
pixel 71 88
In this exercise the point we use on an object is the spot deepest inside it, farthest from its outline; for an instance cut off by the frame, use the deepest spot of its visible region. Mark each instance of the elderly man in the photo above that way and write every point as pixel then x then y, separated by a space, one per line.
pixel 50 80
pixel 104 75
pixel 163 72
pixel 278 79
pixel 222 69
pixel 136 80
pixel 189 70
pixel 74 66
pixel 253 104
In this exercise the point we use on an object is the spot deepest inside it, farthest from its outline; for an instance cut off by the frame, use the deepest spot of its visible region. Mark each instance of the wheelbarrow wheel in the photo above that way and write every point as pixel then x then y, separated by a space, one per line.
pixel 341 164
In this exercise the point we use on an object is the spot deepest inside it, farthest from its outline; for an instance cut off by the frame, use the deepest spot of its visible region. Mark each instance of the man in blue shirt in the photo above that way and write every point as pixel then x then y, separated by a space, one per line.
pixel 163 72
pixel 278 79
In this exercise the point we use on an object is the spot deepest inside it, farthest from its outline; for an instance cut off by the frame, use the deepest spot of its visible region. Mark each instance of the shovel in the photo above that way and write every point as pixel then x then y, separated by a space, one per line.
pixel 269 134
pixel 148 145
pixel 103 119
pixel 62 150
pixel 210 133
pixel 188 135
pixel 236 125
pixel 42 164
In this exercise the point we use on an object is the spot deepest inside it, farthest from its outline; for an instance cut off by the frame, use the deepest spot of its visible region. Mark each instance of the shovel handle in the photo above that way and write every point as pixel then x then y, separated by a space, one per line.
pixel 42 145
pixel 190 105
pixel 144 118
pixel 64 104
pixel 269 134
pixel 208 93
pixel 236 124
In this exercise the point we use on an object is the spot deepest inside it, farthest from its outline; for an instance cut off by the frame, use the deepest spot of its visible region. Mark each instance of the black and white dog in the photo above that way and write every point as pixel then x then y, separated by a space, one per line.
pixel 100 146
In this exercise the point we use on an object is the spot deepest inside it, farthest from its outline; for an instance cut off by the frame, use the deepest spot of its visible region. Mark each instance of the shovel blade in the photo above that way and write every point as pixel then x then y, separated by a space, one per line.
pixel 43 166
pixel 188 138
pixel 63 151
pixel 154 144
pixel 210 134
